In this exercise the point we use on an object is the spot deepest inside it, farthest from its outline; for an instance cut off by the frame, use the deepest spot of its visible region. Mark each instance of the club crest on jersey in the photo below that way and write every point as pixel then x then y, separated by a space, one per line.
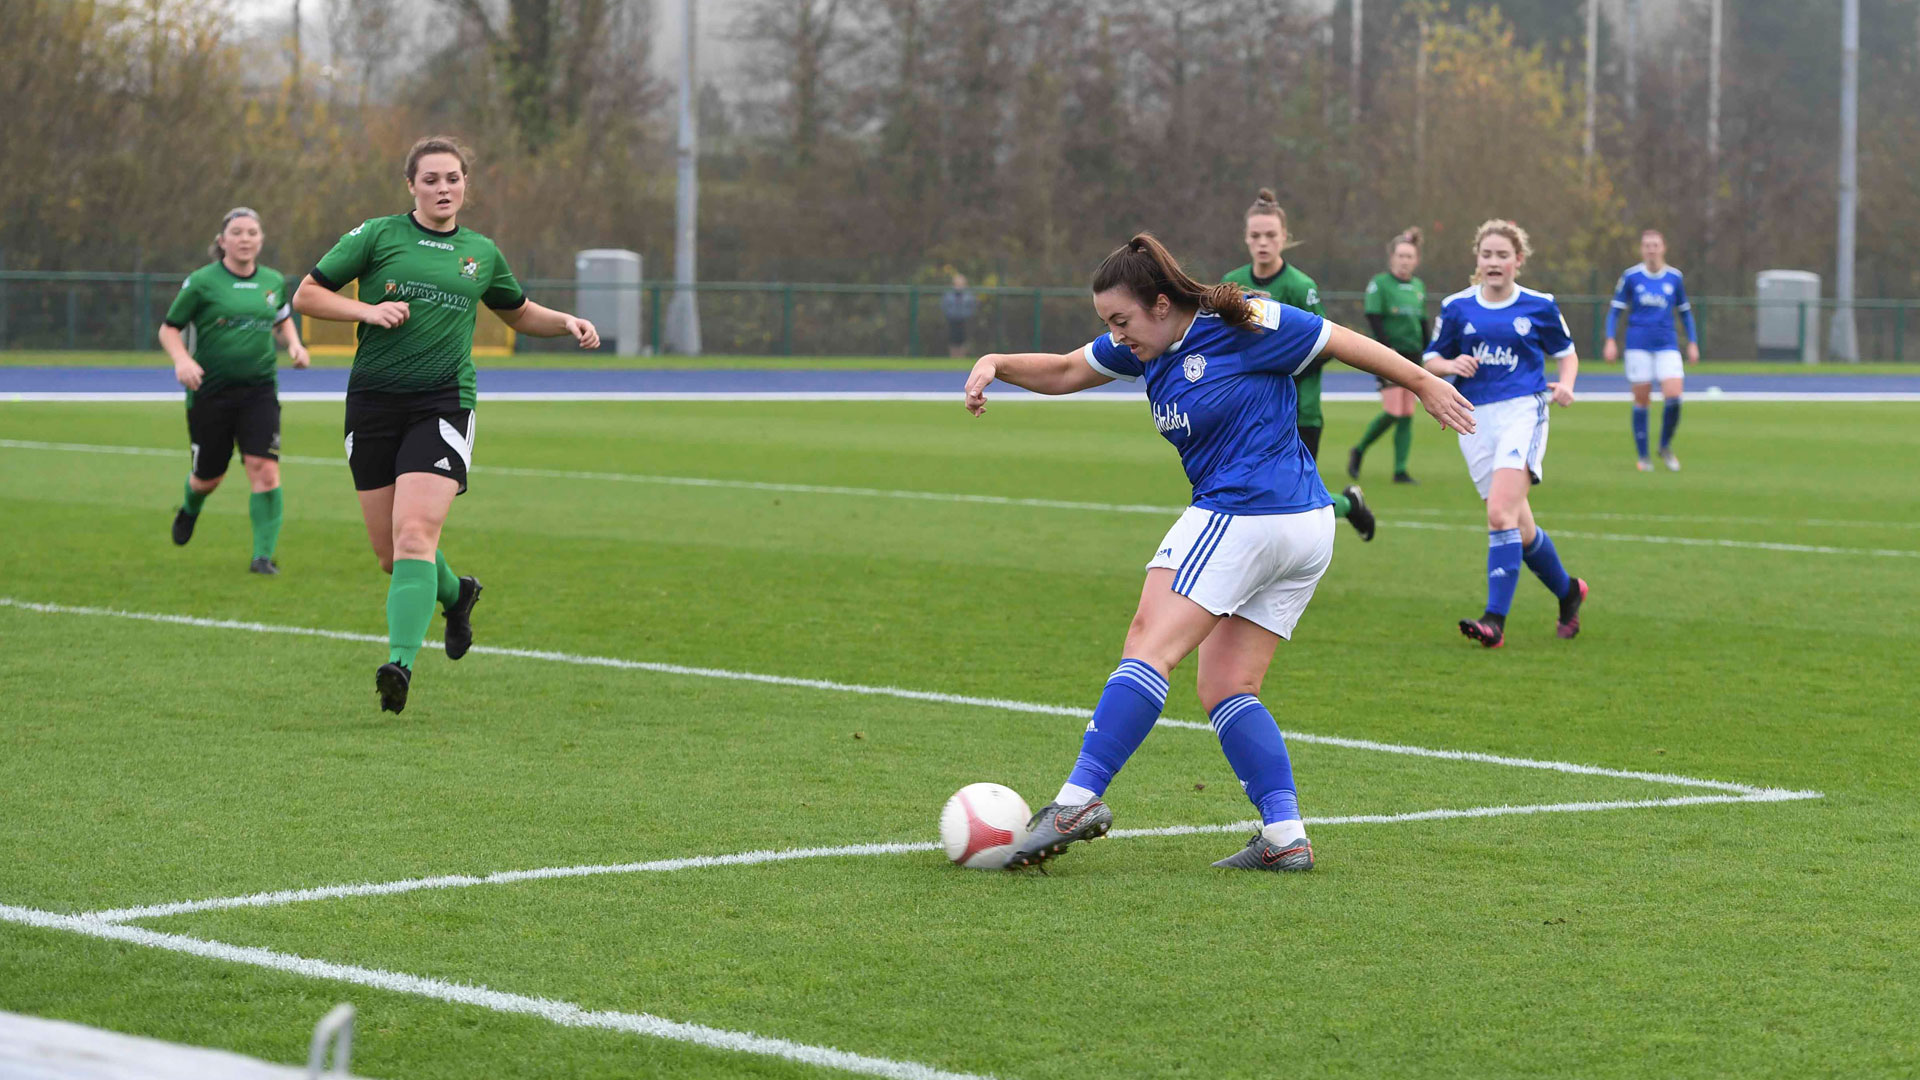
pixel 1522 325
pixel 469 267
pixel 270 297
pixel 392 286
pixel 1194 367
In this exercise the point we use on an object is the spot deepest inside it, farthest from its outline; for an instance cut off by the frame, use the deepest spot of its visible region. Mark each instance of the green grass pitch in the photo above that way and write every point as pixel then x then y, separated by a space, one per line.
pixel 1752 621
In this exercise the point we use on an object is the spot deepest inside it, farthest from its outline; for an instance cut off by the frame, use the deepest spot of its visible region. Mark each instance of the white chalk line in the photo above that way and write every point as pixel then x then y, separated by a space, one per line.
pixel 754 858
pixel 565 1014
pixel 1070 504
pixel 902 693
pixel 999 394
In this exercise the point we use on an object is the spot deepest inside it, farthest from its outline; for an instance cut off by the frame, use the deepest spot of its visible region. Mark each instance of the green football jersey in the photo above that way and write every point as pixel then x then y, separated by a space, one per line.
pixel 441 276
pixel 1402 307
pixel 233 319
pixel 1294 288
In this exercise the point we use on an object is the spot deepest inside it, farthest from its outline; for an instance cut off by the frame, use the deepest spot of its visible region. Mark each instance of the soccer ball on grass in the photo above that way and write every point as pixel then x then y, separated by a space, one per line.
pixel 982 825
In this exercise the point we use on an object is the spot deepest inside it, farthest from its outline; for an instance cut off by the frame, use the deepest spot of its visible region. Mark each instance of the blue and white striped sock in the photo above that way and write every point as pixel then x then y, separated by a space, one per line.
pixel 1258 754
pixel 1128 709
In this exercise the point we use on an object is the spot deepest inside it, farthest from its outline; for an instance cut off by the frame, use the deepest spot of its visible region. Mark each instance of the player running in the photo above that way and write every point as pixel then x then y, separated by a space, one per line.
pixel 1397 312
pixel 410 397
pixel 236 308
pixel 1493 339
pixel 1269 274
pixel 1650 294
pixel 1237 569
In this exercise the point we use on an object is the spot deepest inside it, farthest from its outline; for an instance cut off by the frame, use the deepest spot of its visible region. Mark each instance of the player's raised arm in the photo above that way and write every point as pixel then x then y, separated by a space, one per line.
pixel 1440 399
pixel 1042 373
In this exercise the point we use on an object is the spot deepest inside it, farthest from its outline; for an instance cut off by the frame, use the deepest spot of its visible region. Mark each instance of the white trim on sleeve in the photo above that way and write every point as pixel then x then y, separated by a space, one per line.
pixel 1566 352
pixel 1094 363
pixel 1319 346
pixel 1431 355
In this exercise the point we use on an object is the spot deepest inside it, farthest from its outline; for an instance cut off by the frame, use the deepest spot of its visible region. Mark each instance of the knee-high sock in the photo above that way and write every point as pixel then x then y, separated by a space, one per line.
pixel 193 500
pixel 1545 564
pixel 1342 506
pixel 264 510
pixel 1640 429
pixel 1258 754
pixel 1402 443
pixel 409 608
pixel 1376 429
pixel 446 583
pixel 1128 708
pixel 1503 569
pixel 1669 421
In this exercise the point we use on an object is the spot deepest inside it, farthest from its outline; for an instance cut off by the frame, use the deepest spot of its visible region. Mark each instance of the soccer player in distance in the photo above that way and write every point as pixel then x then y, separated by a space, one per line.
pixel 237 308
pixel 1270 274
pixel 1493 339
pixel 1234 573
pixel 1397 312
pixel 410 397
pixel 1651 293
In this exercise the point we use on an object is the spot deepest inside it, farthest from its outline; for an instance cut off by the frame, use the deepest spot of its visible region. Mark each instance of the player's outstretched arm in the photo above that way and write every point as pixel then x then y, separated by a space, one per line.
pixel 1370 356
pixel 1042 373
pixel 535 320
pixel 316 301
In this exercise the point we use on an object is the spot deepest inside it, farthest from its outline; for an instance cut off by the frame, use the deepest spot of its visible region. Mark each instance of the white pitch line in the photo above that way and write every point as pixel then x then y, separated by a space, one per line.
pixel 1683 541
pixel 752 858
pixel 902 693
pixel 1004 394
pixel 563 1013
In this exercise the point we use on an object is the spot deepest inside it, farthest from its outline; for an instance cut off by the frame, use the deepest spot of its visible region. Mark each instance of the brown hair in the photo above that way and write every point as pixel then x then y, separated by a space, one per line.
pixel 1644 233
pixel 214 250
pixel 1145 268
pixel 1501 227
pixel 1409 235
pixel 436 144
pixel 1268 203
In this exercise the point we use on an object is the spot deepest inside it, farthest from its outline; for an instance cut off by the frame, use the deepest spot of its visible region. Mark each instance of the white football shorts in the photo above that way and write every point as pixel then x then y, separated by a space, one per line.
pixel 1510 434
pixel 1261 567
pixel 1645 366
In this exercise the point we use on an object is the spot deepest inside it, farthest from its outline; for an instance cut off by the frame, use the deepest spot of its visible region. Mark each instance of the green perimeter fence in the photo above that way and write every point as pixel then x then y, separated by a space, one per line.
pixel 94 311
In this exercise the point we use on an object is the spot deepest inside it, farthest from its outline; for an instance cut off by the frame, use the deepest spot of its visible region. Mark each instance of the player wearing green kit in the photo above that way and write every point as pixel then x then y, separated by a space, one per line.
pixel 236 308
pixel 410 396
pixel 1271 275
pixel 1397 311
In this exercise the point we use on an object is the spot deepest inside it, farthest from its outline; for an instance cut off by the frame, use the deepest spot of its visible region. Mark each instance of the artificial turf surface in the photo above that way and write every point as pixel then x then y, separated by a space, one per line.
pixel 147 762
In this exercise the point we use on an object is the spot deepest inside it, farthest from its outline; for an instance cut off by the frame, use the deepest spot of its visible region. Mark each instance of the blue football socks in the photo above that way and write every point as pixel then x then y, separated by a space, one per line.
pixel 1503 569
pixel 1640 429
pixel 1669 423
pixel 1128 709
pixel 1258 755
pixel 1545 564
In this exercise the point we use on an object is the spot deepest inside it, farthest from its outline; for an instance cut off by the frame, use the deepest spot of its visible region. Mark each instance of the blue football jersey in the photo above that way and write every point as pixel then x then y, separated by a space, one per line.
pixel 1511 340
pixel 1650 301
pixel 1224 398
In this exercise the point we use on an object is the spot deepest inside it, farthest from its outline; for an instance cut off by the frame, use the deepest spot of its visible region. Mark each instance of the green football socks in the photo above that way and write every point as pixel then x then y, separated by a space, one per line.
pixel 1376 429
pixel 1402 444
pixel 410 599
pixel 1342 506
pixel 263 508
pixel 193 499
pixel 448 584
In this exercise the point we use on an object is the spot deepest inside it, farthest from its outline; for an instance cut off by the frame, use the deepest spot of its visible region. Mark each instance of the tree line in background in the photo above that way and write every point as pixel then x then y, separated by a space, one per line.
pixel 1015 140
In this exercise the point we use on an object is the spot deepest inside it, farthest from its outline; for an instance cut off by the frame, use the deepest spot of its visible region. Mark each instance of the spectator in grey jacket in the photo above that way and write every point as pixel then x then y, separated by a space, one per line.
pixel 958 304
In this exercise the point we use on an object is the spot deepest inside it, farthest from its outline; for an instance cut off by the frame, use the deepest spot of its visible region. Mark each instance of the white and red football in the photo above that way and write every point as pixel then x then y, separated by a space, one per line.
pixel 982 825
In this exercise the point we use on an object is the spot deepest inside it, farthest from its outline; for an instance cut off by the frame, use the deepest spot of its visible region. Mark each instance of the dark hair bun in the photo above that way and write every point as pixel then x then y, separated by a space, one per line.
pixel 1266 196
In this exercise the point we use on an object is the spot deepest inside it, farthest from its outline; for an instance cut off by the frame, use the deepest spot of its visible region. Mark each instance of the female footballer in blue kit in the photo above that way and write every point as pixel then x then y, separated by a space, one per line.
pixel 1651 294
pixel 1493 338
pixel 1237 569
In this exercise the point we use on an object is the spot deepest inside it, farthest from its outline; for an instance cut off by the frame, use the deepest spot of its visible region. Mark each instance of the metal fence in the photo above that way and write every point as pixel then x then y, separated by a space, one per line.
pixel 95 311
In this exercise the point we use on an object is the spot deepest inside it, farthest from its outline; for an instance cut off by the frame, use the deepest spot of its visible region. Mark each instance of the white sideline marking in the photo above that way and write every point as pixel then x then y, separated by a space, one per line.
pixel 1003 393
pixel 563 1013
pixel 751 858
pixel 1059 504
pixel 875 691
pixel 1683 519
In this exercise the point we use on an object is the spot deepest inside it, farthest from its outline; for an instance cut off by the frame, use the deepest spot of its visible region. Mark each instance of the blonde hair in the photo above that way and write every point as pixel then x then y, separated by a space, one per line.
pixel 1501 227
pixel 1410 235
pixel 1145 268
pixel 215 250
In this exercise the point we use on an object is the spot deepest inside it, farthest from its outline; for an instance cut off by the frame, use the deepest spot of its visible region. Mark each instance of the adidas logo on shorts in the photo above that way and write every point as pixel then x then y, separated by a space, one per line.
pixel 442 464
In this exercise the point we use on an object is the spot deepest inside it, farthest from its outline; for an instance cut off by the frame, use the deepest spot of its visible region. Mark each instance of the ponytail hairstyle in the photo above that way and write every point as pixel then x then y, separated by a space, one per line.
pixel 1411 236
pixel 1501 227
pixel 1145 268
pixel 215 250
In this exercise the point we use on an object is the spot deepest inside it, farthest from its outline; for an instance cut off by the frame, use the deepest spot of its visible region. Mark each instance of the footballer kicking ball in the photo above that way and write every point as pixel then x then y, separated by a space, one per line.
pixel 982 825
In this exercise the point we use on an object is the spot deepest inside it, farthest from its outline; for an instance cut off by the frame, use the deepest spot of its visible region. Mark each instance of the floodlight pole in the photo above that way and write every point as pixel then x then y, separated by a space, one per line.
pixel 1593 55
pixel 1715 35
pixel 1633 60
pixel 683 315
pixel 1844 344
pixel 1353 65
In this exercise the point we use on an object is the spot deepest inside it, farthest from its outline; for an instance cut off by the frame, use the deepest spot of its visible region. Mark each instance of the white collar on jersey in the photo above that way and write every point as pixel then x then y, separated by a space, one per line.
pixel 1182 339
pixel 1642 267
pixel 1480 295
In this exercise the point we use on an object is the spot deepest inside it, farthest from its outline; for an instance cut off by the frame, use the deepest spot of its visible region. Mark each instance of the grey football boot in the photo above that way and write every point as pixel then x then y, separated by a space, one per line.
pixel 1263 854
pixel 1057 826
